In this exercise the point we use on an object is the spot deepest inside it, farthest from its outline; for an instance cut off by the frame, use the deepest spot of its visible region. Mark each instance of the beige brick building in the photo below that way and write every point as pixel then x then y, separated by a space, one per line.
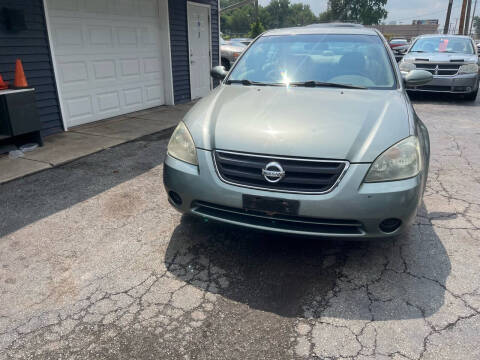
pixel 406 31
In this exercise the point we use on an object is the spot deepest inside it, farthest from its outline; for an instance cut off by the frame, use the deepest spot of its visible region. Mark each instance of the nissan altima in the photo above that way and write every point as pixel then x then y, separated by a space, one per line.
pixel 311 133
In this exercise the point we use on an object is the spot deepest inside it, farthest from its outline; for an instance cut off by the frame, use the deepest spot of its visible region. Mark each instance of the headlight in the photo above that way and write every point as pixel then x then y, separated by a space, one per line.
pixel 406 66
pixel 468 69
pixel 181 145
pixel 401 161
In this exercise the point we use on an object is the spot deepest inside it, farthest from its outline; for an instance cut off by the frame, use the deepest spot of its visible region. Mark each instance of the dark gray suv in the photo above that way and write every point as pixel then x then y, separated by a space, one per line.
pixel 453 61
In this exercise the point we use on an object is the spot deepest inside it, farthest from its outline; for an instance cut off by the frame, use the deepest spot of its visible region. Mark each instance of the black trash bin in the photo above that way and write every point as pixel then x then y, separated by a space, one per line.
pixel 19 115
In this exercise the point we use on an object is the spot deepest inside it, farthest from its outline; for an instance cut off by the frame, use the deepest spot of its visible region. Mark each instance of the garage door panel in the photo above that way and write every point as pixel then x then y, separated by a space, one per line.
pixel 127 36
pixel 74 73
pixel 149 35
pixel 79 108
pixel 152 67
pixel 133 97
pixel 67 36
pixel 98 72
pixel 101 36
pixel 104 70
pixel 130 69
pixel 148 8
pixel 97 6
pixel 126 7
pixel 68 5
pixel 108 57
pixel 85 106
pixel 153 94
pixel 108 102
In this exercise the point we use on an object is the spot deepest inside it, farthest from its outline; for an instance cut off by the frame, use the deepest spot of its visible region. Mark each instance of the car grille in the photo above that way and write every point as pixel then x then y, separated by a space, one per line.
pixel 434 88
pixel 439 88
pixel 301 175
pixel 282 223
pixel 439 69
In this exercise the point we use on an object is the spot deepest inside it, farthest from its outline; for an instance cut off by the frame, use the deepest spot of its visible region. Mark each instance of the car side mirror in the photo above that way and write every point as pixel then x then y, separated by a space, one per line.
pixel 418 77
pixel 218 72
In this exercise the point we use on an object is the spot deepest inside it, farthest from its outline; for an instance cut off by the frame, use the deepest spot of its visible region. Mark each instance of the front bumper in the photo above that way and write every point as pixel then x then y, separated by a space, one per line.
pixel 350 204
pixel 457 84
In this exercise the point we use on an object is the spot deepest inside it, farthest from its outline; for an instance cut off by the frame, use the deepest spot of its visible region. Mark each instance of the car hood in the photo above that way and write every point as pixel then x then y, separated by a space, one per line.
pixel 354 125
pixel 442 57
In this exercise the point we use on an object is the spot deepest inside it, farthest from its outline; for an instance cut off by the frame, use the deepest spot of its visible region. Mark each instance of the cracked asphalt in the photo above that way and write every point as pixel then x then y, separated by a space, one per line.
pixel 94 264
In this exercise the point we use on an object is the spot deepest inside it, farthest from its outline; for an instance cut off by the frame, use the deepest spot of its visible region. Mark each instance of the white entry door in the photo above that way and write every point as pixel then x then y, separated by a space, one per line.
pixel 108 56
pixel 199 49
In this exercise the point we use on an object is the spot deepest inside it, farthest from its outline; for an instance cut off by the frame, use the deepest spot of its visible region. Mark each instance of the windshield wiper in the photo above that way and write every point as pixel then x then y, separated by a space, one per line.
pixel 326 84
pixel 247 82
pixel 418 51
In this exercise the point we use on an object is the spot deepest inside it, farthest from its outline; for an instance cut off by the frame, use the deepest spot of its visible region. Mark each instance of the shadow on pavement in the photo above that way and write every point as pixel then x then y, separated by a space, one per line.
pixel 441 98
pixel 304 277
pixel 38 196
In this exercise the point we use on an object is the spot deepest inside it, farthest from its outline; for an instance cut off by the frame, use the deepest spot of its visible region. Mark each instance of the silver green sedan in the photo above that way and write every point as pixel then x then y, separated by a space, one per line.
pixel 310 133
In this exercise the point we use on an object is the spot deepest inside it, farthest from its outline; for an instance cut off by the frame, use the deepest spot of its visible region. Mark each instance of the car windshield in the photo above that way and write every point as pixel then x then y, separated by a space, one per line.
pixel 443 45
pixel 356 60
pixel 399 41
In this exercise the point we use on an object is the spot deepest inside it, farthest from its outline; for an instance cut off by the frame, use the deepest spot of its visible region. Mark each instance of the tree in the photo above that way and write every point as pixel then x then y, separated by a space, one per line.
pixel 238 21
pixel 256 29
pixel 277 14
pixel 367 12
pixel 301 15
pixel 279 11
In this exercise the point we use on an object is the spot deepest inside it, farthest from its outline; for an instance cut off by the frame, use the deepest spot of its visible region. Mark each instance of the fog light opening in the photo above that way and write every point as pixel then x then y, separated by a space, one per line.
pixel 390 225
pixel 175 198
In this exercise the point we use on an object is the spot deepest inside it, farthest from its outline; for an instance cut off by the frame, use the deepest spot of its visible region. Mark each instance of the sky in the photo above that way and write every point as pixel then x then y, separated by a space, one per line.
pixel 403 10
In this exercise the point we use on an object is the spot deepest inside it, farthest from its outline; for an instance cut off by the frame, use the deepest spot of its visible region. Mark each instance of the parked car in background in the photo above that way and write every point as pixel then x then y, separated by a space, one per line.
pixel 298 143
pixel 452 60
pixel 478 47
pixel 402 49
pixel 399 47
pixel 242 41
pixel 230 52
pixel 394 43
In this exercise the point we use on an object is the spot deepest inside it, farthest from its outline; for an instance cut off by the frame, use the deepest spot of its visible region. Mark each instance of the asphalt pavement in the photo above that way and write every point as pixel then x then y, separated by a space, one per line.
pixel 95 264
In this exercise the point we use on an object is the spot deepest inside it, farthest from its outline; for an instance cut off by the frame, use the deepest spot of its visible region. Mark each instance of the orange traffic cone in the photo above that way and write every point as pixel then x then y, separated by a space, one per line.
pixel 3 84
pixel 20 79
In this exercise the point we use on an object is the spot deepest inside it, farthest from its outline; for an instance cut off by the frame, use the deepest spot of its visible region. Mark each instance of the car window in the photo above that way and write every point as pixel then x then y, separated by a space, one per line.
pixel 358 60
pixel 399 41
pixel 443 45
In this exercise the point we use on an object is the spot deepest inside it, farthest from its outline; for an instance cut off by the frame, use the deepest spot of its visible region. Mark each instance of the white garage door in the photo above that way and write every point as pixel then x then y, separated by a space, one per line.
pixel 108 56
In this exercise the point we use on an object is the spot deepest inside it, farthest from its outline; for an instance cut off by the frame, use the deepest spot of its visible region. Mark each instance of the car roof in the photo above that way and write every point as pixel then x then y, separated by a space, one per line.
pixel 325 29
pixel 336 24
